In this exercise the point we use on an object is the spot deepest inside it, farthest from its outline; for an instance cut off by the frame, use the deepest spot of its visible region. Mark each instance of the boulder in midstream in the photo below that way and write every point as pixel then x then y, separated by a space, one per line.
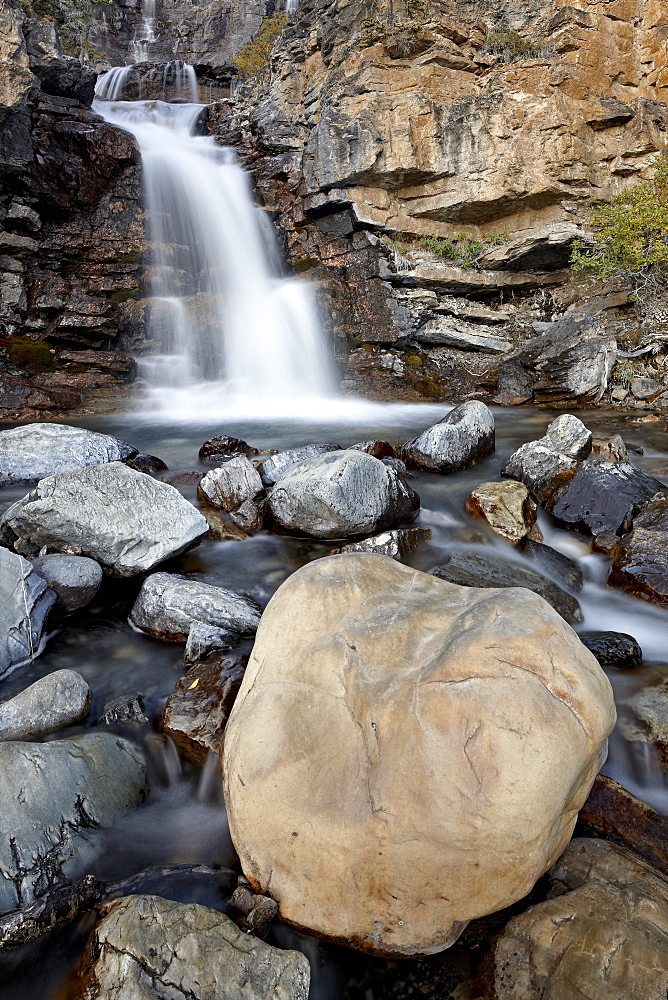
pixel 508 510
pixel 464 436
pixel 56 700
pixel 342 494
pixel 74 579
pixel 604 497
pixel 38 450
pixel 25 604
pixel 125 520
pixel 641 559
pixel 365 837
pixel 548 463
pixel 274 467
pixel 167 605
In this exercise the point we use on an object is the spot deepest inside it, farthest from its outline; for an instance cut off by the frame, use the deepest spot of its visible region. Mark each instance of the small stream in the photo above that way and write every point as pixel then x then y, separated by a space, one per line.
pixel 182 820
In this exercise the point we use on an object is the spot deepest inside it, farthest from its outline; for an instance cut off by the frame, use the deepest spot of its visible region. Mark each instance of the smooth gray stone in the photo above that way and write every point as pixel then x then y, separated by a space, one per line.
pixel 204 639
pixel 474 569
pixel 274 467
pixel 39 450
pixel 53 701
pixel 125 520
pixel 231 484
pixel 547 463
pixel 150 948
pixel 461 438
pixel 55 797
pixel 340 494
pixel 167 605
pixel 25 603
pixel 568 435
pixel 75 579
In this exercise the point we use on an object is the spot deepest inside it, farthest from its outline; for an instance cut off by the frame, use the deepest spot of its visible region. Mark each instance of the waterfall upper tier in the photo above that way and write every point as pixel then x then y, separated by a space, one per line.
pixel 226 320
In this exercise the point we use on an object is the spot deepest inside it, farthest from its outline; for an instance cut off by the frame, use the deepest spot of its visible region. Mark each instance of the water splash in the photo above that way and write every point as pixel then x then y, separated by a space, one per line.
pixel 230 326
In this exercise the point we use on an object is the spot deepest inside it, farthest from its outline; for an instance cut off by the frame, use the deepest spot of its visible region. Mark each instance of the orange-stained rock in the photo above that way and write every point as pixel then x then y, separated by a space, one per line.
pixel 405 754
pixel 507 508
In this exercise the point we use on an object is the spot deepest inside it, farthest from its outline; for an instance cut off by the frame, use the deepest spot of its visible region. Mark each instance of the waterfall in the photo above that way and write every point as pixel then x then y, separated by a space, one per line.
pixel 228 323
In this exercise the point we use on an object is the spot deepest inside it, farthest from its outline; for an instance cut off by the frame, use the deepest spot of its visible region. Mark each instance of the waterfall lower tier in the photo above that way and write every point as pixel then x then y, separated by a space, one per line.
pixel 228 323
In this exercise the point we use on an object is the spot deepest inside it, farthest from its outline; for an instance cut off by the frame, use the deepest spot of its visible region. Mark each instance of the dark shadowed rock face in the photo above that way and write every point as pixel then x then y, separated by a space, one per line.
pixel 340 494
pixel 641 560
pixel 220 448
pixel 613 649
pixel 462 438
pixel 603 497
pixel 74 579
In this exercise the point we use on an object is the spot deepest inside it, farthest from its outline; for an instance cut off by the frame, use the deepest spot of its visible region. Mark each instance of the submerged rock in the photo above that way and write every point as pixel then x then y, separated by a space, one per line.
pixel 603 497
pixel 38 450
pixel 124 711
pixel 154 948
pixel 364 837
pixel 464 436
pixel 548 463
pixel 168 605
pixel 340 495
pixel 25 604
pixel 613 649
pixel 508 510
pixel 555 564
pixel 396 544
pixel 274 467
pixel 55 797
pixel 197 710
pixel 222 447
pixel 53 701
pixel 74 579
pixel 603 936
pixel 641 559
pixel 476 569
pixel 650 705
pixel 125 520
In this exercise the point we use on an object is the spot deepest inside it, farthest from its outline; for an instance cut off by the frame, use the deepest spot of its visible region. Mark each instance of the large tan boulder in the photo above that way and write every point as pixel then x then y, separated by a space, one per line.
pixel 406 754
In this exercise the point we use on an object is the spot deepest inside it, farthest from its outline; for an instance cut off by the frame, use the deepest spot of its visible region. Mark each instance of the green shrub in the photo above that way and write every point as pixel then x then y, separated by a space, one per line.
pixel 252 61
pixel 512 47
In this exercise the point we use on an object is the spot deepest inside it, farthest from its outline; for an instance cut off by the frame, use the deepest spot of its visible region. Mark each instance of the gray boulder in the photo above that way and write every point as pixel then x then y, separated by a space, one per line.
pixel 53 701
pixel 74 579
pixel 548 463
pixel 475 569
pixel 25 603
pixel 125 520
pixel 39 450
pixel 150 948
pixel 168 605
pixel 274 467
pixel 573 358
pixel 341 494
pixel 55 797
pixel 228 486
pixel 205 639
pixel 461 438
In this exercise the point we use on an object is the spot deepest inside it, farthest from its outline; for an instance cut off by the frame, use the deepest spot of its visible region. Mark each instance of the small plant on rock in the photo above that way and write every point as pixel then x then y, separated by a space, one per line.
pixel 252 61
pixel 511 46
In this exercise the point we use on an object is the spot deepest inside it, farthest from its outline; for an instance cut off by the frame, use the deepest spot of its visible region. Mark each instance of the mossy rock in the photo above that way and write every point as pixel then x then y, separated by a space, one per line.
pixel 305 264
pixel 126 294
pixel 31 356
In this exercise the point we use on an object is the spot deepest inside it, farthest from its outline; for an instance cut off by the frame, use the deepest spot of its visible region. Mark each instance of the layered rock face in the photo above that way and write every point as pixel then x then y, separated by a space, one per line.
pixel 71 234
pixel 405 754
pixel 383 125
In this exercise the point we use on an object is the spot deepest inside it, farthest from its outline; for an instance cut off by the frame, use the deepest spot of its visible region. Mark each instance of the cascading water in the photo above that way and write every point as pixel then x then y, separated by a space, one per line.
pixel 228 323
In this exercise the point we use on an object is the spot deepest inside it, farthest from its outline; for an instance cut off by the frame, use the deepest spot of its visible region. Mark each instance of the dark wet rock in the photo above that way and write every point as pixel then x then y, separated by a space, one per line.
pixel 379 449
pixel 125 520
pixel 613 649
pixel 396 544
pixel 206 639
pixel 611 810
pixel 154 948
pixel 56 700
pixel 514 383
pixel 74 579
pixel 58 74
pixel 274 467
pixel 548 463
pixel 25 604
pixel 604 497
pixel 601 934
pixel 464 436
pixel 554 563
pixel 222 447
pixel 253 911
pixel 475 569
pixel 607 544
pixel 55 797
pixel 650 706
pixel 167 606
pixel 124 711
pixel 641 559
pixel 197 710
pixel 249 515
pixel 340 494
pixel 149 464
pixel 507 508
pixel 231 485
pixel 38 450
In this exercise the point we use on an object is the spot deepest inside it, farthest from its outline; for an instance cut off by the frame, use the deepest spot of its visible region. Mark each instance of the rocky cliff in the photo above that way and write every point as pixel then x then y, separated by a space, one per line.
pixel 71 228
pixel 431 161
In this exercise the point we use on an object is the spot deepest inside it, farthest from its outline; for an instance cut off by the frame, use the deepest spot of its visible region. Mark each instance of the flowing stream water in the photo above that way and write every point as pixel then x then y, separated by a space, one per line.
pixel 241 345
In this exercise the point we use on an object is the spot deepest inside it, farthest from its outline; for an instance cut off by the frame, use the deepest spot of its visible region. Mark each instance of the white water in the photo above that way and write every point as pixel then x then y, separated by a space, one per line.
pixel 232 330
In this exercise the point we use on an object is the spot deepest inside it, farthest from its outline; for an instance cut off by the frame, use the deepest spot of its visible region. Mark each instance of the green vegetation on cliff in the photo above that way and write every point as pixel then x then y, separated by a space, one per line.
pixel 252 60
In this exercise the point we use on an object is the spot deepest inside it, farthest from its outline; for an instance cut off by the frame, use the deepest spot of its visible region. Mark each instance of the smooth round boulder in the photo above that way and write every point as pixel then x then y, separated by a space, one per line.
pixel 74 579
pixel 340 494
pixel 463 437
pixel 405 754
